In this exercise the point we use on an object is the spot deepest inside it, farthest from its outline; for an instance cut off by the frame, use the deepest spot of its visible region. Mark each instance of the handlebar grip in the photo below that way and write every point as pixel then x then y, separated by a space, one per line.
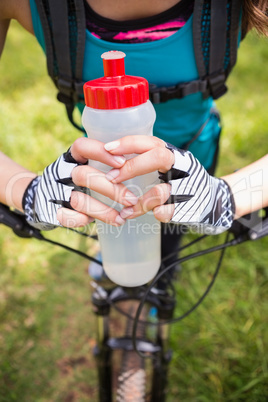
pixel 17 223
pixel 9 218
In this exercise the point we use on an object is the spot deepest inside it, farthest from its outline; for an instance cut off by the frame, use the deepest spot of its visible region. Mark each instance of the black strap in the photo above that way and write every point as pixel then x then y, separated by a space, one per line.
pixel 163 94
pixel 218 35
pixel 223 38
pixel 234 32
pixel 42 11
pixel 68 76
pixel 64 68
pixel 197 37
pixel 80 44
pixel 218 41
pixel 60 34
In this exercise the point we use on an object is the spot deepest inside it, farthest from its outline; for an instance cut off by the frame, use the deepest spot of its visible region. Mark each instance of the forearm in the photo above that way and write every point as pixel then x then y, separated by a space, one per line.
pixel 14 179
pixel 249 186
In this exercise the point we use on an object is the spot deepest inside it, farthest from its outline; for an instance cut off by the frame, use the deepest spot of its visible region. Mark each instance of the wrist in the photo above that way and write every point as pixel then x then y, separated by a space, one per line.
pixel 243 197
pixel 249 186
pixel 14 181
pixel 16 188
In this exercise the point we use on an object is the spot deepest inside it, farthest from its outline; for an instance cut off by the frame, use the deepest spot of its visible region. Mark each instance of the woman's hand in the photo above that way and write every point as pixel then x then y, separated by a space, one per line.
pixel 194 197
pixel 153 155
pixel 61 196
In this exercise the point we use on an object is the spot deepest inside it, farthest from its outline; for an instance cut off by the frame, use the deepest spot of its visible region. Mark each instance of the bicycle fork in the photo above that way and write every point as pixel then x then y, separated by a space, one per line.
pixel 159 350
pixel 102 351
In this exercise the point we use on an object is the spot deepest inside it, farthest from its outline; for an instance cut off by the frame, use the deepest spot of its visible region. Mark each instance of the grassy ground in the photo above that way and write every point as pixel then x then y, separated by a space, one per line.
pixel 46 320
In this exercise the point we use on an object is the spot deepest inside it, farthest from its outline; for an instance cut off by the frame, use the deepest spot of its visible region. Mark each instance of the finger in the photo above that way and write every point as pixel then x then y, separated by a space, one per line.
pixel 85 148
pixel 156 196
pixel 164 213
pixel 72 219
pixel 158 158
pixel 87 176
pixel 137 144
pixel 89 206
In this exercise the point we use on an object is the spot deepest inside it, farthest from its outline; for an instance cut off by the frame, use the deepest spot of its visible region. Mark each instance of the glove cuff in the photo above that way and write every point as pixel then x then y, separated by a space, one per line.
pixel 231 201
pixel 28 201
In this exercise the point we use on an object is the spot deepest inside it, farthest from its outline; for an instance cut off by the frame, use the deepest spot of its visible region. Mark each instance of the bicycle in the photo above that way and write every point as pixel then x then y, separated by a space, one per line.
pixel 141 369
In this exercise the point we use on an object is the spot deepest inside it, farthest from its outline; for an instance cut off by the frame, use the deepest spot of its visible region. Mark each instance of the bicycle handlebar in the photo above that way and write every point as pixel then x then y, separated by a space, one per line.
pixel 17 222
pixel 251 226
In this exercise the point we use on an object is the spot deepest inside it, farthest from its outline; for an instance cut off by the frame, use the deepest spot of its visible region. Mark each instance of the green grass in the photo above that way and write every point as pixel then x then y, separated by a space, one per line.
pixel 46 319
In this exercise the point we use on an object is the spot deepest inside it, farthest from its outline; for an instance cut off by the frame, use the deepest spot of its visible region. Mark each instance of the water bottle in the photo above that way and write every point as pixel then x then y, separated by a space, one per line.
pixel 118 105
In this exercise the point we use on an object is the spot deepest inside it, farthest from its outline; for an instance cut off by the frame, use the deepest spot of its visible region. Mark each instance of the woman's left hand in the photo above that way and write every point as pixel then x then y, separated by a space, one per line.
pixel 152 155
pixel 194 198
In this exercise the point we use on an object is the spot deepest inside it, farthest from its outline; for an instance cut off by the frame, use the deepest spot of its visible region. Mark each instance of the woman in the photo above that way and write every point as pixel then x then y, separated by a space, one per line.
pixel 143 29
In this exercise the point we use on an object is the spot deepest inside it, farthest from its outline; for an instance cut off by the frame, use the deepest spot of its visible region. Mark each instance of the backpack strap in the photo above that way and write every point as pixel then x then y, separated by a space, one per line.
pixel 210 49
pixel 64 30
pixel 234 32
pixel 215 34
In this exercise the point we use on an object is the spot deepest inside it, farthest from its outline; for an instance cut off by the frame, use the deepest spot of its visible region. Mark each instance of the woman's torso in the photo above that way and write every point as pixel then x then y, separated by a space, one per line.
pixel 163 62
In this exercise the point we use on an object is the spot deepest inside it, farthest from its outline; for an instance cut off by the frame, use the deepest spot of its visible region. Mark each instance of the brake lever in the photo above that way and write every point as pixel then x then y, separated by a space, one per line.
pixel 259 231
pixel 251 226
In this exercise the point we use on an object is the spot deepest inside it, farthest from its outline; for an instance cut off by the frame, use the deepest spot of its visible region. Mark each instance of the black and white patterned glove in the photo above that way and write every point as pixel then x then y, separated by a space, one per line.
pixel 202 201
pixel 49 192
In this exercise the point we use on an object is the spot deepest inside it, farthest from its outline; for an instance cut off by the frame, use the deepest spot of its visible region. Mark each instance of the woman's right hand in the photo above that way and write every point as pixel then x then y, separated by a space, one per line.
pixel 61 197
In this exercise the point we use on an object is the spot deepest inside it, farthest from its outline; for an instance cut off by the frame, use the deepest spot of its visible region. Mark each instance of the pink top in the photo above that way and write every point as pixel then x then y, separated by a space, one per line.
pixel 150 29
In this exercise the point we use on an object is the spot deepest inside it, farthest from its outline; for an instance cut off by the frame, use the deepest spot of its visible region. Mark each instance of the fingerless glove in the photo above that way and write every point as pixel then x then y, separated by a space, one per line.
pixel 201 200
pixel 49 192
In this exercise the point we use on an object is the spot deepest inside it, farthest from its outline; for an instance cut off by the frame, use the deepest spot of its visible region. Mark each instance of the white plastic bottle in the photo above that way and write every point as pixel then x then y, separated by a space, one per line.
pixel 118 105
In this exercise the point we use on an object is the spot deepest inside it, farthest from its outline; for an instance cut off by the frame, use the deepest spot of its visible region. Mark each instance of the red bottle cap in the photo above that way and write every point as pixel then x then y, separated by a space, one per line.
pixel 115 90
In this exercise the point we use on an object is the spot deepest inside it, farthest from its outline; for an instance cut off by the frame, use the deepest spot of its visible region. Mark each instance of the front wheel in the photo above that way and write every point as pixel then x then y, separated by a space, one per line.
pixel 131 382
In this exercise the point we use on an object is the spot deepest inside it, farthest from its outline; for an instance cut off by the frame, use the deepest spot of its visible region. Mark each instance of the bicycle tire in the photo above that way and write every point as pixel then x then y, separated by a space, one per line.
pixel 131 381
